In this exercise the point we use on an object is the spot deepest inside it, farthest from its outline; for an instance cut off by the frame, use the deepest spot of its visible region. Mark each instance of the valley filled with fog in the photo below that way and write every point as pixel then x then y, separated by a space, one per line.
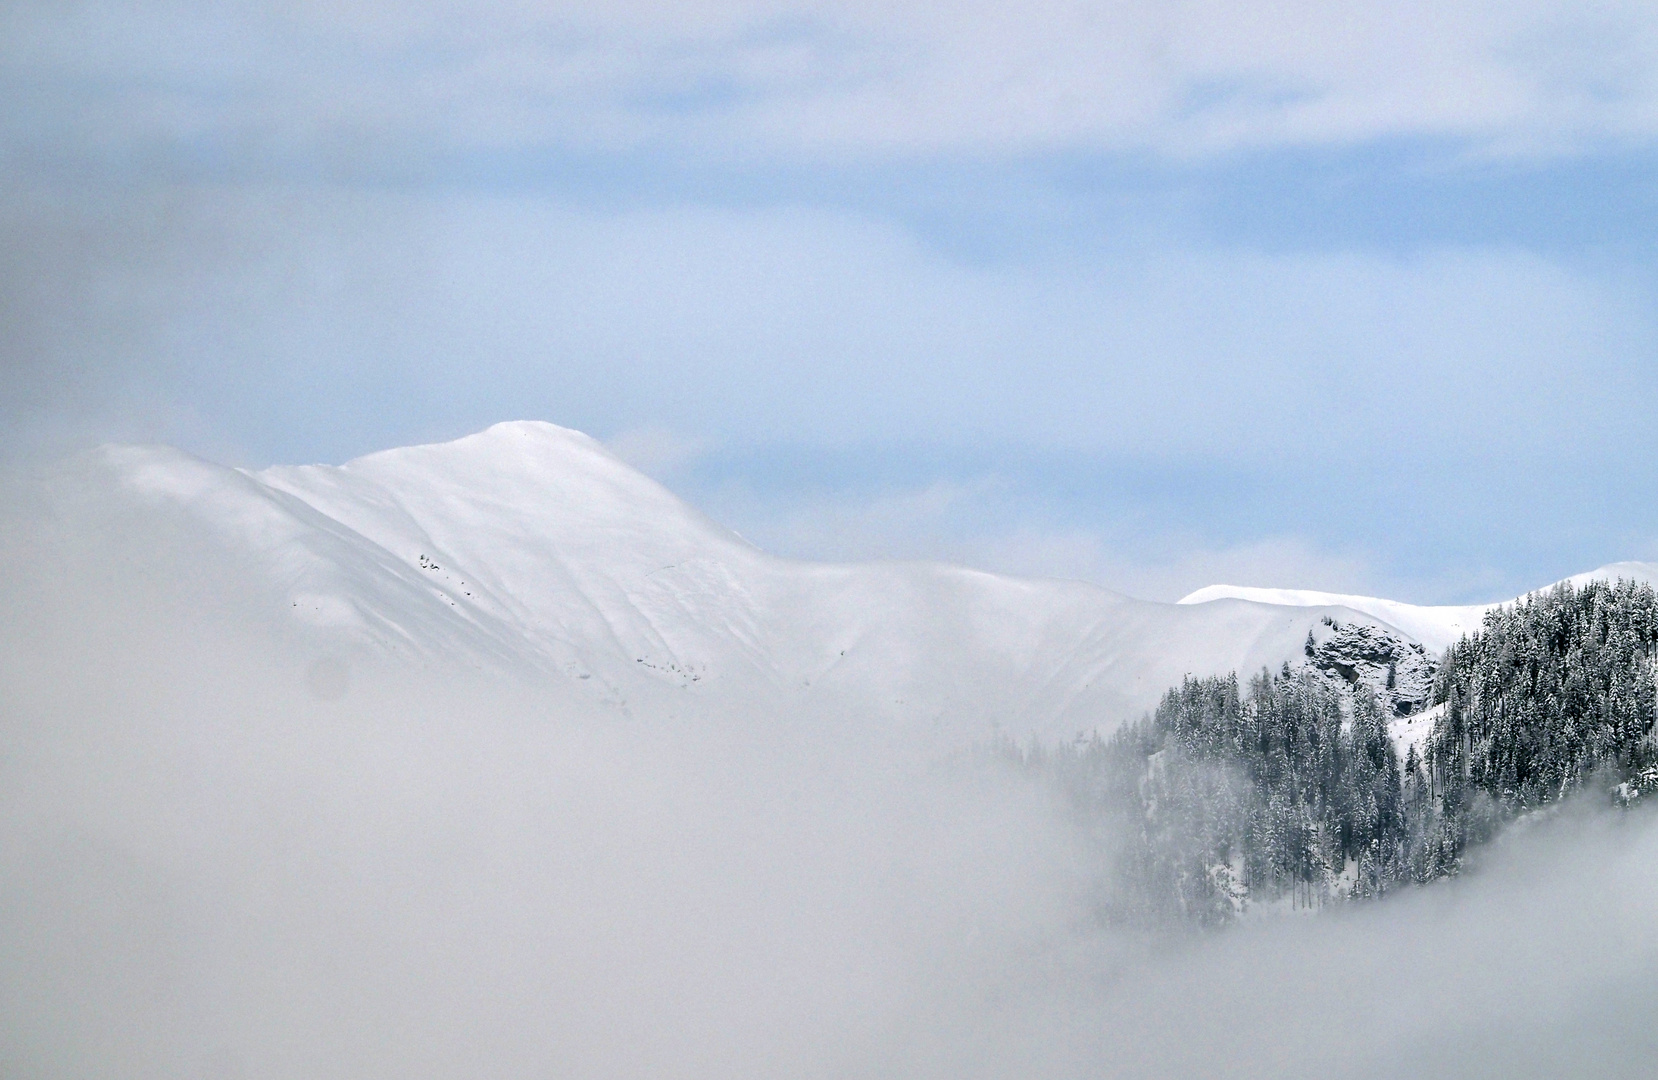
pixel 391 836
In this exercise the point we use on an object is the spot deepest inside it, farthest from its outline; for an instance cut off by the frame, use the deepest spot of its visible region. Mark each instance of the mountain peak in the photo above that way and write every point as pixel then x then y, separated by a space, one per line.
pixel 510 445
pixel 526 477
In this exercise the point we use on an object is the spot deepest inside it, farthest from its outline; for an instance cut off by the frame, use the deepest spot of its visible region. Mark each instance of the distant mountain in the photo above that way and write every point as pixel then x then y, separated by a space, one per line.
pixel 529 548
pixel 1434 627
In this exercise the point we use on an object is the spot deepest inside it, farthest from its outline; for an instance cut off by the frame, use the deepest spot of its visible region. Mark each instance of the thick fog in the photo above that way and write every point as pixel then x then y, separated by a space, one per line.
pixel 230 849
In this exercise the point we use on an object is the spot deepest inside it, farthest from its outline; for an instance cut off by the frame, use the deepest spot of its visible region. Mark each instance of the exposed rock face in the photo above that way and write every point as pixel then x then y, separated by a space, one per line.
pixel 1400 672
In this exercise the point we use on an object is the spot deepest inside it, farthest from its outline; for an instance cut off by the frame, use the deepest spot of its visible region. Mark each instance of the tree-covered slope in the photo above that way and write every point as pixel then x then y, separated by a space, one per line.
pixel 1550 694
pixel 1289 791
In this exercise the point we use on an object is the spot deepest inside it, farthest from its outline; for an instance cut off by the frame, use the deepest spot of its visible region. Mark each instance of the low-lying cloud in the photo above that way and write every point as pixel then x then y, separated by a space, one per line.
pixel 214 864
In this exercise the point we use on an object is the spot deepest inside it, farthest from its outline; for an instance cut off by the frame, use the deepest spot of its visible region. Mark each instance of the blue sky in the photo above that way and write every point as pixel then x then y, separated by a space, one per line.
pixel 1332 295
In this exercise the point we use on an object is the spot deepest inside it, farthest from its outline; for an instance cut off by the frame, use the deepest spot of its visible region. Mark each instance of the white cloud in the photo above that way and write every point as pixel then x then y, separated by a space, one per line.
pixel 369 81
pixel 269 314
pixel 987 524
pixel 657 451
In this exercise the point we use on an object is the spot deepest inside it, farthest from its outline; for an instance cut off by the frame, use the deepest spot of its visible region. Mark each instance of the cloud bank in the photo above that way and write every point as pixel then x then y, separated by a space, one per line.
pixel 214 864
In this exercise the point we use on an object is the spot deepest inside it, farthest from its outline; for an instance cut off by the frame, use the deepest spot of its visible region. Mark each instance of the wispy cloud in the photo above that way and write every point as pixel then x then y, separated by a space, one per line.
pixel 657 451
pixel 987 523
pixel 813 326
pixel 368 87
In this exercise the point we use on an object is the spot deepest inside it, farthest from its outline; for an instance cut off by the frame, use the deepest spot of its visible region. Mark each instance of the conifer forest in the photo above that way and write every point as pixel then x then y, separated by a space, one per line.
pixel 1289 790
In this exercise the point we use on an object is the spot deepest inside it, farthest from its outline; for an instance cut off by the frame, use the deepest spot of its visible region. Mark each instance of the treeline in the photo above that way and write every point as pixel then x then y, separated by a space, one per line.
pixel 1290 791
pixel 1550 693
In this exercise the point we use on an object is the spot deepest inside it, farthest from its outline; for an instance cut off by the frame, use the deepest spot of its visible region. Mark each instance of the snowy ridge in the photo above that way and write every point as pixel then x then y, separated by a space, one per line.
pixel 529 547
pixel 1434 627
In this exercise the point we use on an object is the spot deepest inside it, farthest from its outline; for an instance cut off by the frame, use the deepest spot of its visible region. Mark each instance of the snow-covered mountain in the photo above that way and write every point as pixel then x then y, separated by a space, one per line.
pixel 529 547
pixel 1433 627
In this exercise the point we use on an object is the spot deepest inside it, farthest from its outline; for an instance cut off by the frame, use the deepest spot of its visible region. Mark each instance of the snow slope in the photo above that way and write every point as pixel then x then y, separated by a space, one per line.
pixel 530 548
pixel 1413 731
pixel 1434 627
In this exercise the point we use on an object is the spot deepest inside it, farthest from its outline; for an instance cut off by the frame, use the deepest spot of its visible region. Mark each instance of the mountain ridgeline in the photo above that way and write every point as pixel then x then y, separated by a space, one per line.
pixel 1291 790
pixel 1377 744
